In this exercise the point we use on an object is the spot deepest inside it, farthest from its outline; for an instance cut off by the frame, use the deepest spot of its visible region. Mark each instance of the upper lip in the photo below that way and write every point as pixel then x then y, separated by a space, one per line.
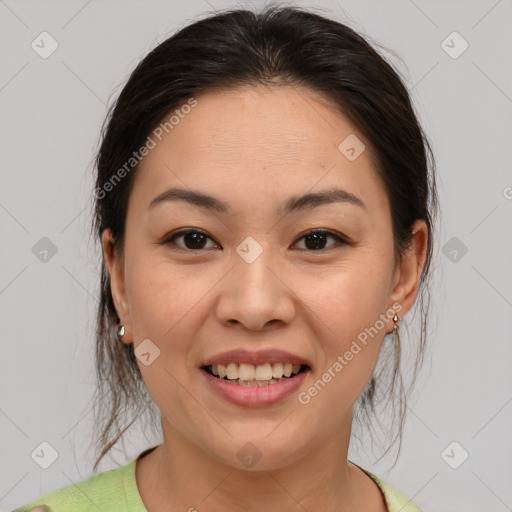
pixel 256 358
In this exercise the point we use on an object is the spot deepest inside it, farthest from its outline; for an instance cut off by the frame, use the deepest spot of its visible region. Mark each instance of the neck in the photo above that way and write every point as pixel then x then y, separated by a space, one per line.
pixel 186 477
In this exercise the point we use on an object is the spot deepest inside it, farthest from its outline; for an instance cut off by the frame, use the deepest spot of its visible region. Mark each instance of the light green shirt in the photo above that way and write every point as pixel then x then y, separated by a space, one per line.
pixel 116 490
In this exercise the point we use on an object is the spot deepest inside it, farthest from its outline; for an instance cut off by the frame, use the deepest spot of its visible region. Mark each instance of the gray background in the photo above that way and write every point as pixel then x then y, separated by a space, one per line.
pixel 51 113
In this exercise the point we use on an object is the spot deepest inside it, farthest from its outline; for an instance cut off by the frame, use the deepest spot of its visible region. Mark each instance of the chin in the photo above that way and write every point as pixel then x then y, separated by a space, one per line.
pixel 253 453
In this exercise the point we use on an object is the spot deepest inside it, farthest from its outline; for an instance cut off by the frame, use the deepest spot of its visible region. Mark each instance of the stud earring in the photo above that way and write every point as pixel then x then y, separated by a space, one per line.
pixel 120 332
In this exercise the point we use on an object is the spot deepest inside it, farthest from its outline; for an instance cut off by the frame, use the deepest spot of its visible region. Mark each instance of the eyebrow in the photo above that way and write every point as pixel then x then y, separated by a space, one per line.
pixel 304 202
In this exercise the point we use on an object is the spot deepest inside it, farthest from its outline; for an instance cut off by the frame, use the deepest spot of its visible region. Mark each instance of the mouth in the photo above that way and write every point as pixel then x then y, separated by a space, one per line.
pixel 255 378
pixel 251 375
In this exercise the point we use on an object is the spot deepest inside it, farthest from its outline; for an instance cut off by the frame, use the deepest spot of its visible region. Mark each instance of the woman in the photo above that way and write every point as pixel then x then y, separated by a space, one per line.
pixel 265 210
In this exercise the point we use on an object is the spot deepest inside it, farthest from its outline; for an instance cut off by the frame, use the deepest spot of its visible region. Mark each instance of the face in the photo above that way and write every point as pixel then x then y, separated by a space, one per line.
pixel 241 279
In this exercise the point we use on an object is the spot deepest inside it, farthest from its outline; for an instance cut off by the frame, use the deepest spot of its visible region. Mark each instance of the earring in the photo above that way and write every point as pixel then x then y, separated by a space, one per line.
pixel 120 332
pixel 397 348
pixel 396 319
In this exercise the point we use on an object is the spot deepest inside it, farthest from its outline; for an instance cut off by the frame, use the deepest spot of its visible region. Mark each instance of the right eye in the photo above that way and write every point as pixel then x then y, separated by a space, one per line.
pixel 193 240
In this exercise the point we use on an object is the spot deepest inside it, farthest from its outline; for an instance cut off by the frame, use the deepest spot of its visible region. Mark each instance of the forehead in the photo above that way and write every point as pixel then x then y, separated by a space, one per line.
pixel 269 142
pixel 273 124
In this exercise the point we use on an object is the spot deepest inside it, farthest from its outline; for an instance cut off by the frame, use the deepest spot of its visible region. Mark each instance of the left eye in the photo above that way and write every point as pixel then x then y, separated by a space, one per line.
pixel 316 238
pixel 195 240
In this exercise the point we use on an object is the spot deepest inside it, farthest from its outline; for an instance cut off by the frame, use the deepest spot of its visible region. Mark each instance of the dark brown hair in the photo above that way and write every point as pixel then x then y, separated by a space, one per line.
pixel 277 46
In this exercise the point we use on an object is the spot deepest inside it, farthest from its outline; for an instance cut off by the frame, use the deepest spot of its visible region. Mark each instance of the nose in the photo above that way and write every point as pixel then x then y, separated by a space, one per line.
pixel 257 294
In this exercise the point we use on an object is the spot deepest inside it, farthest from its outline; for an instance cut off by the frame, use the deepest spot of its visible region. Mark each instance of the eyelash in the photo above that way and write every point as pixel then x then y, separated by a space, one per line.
pixel 170 240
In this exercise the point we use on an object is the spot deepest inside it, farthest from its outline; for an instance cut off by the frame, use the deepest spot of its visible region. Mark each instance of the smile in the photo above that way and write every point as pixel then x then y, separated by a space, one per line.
pixel 255 375
pixel 255 393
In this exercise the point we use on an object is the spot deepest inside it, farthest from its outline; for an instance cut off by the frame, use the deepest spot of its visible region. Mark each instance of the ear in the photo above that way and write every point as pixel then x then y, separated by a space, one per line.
pixel 117 285
pixel 408 272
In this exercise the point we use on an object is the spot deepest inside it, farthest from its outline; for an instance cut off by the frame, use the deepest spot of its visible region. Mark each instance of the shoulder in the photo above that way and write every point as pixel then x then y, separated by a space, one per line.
pixel 395 500
pixel 99 491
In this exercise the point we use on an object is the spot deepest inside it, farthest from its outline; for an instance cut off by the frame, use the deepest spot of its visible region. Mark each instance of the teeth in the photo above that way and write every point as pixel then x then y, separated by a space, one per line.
pixel 257 383
pixel 277 370
pixel 246 372
pixel 232 371
pixel 221 370
pixel 263 373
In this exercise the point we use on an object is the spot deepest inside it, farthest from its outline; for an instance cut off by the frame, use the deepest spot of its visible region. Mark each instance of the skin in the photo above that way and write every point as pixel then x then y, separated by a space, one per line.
pixel 254 147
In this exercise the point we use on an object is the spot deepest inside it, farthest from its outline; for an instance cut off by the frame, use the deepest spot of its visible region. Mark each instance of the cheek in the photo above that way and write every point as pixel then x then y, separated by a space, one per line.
pixel 347 306
pixel 349 337
pixel 348 297
pixel 164 307
pixel 161 297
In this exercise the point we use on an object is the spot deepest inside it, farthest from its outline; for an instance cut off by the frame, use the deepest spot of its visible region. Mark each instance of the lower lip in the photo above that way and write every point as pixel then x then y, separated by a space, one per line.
pixel 255 396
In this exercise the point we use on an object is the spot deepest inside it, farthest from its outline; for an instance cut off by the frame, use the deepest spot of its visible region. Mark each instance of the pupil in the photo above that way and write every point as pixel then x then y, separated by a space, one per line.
pixel 315 238
pixel 196 239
